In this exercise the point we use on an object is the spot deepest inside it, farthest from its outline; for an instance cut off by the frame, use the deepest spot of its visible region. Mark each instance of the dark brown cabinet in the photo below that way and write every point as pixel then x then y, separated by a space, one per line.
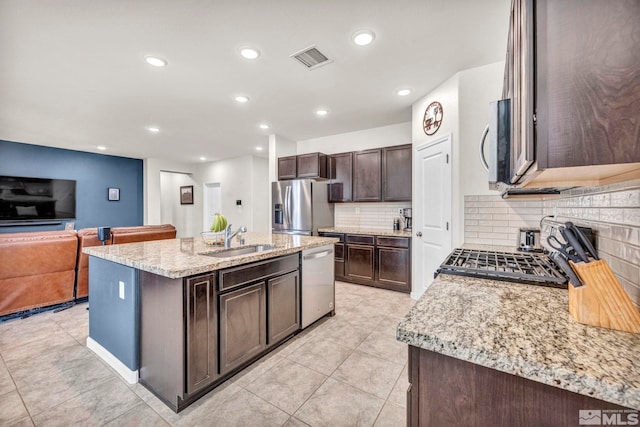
pixel 571 75
pixel 360 259
pixel 243 320
pixel 283 301
pixel 367 176
pixel 393 263
pixel 341 177
pixel 201 333
pixel 312 165
pixel 396 173
pixel 339 254
pixel 287 168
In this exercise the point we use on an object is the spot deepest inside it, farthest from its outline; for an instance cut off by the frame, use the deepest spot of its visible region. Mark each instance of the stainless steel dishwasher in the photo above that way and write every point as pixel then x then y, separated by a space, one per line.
pixel 318 283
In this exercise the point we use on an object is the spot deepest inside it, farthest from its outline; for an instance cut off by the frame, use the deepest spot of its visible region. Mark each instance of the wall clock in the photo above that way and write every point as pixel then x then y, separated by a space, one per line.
pixel 432 118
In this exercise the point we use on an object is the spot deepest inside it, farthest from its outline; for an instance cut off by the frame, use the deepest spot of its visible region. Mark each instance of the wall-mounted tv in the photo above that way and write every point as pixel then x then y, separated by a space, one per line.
pixel 35 199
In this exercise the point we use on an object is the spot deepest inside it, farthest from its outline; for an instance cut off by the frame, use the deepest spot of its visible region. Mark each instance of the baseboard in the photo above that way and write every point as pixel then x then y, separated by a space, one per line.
pixel 130 376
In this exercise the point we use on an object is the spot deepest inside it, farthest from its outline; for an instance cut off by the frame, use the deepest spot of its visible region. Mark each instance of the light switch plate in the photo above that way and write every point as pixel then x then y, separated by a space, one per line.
pixel 121 289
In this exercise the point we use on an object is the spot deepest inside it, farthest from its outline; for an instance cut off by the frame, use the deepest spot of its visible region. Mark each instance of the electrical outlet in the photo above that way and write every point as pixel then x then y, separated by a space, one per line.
pixel 121 289
pixel 400 211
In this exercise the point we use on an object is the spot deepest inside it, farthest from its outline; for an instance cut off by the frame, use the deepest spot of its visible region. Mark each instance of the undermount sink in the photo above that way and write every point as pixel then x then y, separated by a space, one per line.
pixel 228 253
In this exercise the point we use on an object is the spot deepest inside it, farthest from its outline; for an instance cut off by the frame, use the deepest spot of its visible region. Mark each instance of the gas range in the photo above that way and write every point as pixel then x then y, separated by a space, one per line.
pixel 528 268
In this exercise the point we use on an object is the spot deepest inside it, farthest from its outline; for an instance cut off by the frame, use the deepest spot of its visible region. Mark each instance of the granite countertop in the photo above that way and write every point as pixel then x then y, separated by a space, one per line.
pixel 524 330
pixel 176 258
pixel 367 231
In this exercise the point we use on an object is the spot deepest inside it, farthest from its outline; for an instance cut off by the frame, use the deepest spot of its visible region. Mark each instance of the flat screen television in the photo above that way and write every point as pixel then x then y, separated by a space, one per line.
pixel 36 199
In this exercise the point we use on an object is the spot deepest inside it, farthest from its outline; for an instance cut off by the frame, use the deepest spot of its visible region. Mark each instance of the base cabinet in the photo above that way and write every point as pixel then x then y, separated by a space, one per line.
pixel 243 320
pixel 445 391
pixel 283 300
pixel 360 264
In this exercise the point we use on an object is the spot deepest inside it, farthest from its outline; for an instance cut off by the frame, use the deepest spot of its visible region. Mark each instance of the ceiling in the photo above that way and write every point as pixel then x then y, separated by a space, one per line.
pixel 73 75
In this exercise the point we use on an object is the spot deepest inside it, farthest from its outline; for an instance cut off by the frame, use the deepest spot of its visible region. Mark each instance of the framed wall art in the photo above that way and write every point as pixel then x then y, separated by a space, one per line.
pixel 113 194
pixel 186 195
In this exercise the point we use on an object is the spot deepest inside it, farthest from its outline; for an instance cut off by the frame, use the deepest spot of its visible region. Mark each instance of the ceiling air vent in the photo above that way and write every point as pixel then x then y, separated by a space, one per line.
pixel 311 58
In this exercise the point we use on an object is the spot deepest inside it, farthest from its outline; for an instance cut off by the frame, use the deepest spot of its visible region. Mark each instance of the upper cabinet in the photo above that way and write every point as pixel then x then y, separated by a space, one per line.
pixel 367 176
pixel 312 165
pixel 572 73
pixel 340 176
pixel 396 173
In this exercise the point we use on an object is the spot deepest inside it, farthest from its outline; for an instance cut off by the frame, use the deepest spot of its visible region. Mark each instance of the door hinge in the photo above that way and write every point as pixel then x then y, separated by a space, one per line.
pixel 535 119
pixel 447 157
pixel 447 225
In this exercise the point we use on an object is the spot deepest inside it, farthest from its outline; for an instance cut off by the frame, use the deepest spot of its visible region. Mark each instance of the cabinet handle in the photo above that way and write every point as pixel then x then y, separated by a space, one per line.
pixel 485 132
pixel 419 234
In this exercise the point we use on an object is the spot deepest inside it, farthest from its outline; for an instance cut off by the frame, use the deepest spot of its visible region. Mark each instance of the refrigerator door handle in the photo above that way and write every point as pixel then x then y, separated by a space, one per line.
pixel 287 205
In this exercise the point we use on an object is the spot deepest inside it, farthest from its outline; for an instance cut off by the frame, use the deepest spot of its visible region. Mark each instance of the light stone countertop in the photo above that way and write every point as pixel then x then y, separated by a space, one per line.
pixel 184 257
pixel 366 231
pixel 524 330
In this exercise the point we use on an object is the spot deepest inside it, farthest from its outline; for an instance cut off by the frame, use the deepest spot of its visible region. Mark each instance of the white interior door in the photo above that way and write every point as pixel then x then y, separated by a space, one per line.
pixel 212 203
pixel 432 211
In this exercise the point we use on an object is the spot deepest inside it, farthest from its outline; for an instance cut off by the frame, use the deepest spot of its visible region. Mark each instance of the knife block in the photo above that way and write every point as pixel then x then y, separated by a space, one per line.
pixel 601 301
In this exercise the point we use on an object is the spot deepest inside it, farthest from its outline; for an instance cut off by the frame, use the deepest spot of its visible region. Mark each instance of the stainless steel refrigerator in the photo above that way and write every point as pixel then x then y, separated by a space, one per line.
pixel 300 206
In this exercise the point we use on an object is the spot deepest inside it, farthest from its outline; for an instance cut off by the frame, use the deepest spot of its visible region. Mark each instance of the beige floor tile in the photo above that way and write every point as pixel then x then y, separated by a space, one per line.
pixel 388 325
pixel 241 409
pixel 94 407
pixel 341 331
pixel 64 385
pixel 392 416
pixel 399 393
pixel 6 382
pixel 11 408
pixel 23 422
pixel 140 415
pixel 369 373
pixel 385 346
pixel 48 340
pixel 294 422
pixel 336 404
pixel 287 385
pixel 251 372
pixel 18 332
pixel 321 355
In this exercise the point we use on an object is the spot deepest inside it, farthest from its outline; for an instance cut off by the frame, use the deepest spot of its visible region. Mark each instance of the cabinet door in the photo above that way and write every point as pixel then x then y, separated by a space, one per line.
pixel 359 263
pixel 588 84
pixel 283 306
pixel 242 325
pixel 393 269
pixel 339 260
pixel 340 174
pixel 201 332
pixel 396 173
pixel 367 176
pixel 312 165
pixel 287 167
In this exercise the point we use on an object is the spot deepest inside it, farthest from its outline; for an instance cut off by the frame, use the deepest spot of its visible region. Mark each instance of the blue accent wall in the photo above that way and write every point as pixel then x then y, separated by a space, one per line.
pixel 94 174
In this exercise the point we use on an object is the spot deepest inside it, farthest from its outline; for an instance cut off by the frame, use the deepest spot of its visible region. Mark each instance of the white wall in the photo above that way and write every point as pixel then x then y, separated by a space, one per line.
pixel 261 198
pixel 153 188
pixel 384 136
pixel 183 217
pixel 241 178
pixel 279 146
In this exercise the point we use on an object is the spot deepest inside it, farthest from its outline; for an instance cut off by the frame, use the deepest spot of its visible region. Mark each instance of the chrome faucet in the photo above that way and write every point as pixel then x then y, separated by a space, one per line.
pixel 228 235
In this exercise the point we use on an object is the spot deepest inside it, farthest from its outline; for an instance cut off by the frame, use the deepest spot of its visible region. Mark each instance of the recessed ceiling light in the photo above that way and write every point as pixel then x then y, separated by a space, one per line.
pixel 264 126
pixel 403 92
pixel 155 61
pixel 242 98
pixel 249 52
pixel 153 129
pixel 101 147
pixel 259 148
pixel 322 112
pixel 203 158
pixel 363 38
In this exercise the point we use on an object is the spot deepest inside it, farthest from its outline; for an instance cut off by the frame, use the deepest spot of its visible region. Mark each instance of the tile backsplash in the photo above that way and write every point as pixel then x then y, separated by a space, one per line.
pixel 612 211
pixel 376 216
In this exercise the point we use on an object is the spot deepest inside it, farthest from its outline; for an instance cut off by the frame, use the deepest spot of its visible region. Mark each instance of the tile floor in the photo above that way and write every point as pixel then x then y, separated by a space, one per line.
pixel 347 370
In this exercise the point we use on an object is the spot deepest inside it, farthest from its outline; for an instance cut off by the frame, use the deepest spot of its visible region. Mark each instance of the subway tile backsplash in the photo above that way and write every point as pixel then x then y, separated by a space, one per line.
pixel 375 216
pixel 612 211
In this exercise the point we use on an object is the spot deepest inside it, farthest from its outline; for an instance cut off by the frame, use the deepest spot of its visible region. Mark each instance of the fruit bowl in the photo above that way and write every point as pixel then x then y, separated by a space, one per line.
pixel 213 238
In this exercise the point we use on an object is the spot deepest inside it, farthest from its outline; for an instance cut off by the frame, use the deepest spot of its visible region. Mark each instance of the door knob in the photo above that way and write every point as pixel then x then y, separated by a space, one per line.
pixel 419 234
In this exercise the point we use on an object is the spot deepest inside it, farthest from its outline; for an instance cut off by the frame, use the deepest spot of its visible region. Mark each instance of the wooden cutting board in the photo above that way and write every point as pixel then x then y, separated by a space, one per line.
pixel 601 301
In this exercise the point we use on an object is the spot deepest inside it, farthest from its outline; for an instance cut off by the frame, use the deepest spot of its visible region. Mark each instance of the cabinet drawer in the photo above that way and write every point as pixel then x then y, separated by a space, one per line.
pixel 361 240
pixel 233 277
pixel 393 242
pixel 336 235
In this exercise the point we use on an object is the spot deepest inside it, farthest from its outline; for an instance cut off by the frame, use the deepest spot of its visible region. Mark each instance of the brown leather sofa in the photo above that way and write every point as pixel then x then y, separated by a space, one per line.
pixel 37 269
pixel 89 237
pixel 44 268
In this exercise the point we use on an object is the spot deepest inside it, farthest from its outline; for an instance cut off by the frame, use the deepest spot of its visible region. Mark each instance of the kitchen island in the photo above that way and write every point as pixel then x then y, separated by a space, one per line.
pixel 184 316
pixel 485 352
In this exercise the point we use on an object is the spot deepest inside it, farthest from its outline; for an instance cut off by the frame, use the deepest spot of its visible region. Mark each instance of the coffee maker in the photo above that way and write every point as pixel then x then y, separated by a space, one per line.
pixel 406 213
